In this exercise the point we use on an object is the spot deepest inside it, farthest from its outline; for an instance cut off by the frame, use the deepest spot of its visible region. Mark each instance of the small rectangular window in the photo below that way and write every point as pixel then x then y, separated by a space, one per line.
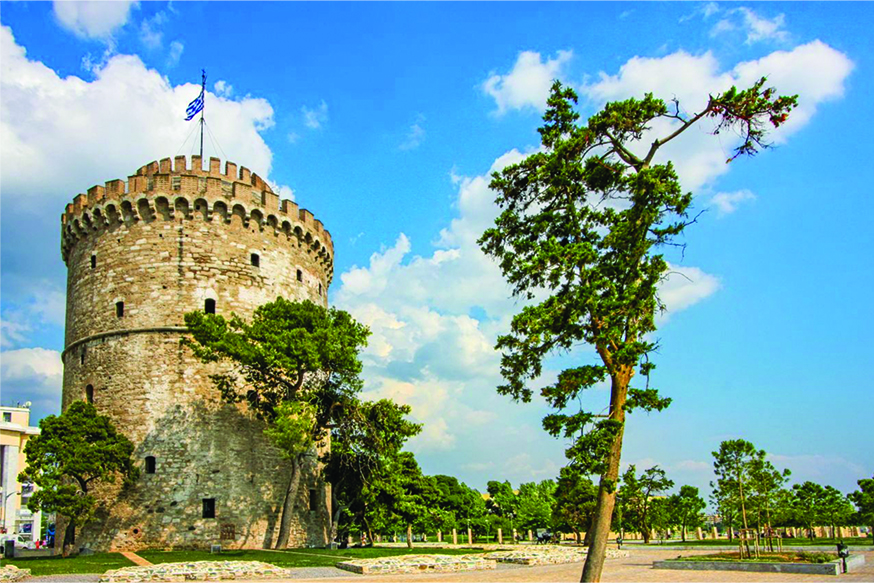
pixel 299 275
pixel 82 356
pixel 256 260
pixel 314 499
pixel 93 261
pixel 89 393
pixel 209 306
pixel 7 417
pixel 150 464
pixel 209 508
pixel 119 309
pixel 320 289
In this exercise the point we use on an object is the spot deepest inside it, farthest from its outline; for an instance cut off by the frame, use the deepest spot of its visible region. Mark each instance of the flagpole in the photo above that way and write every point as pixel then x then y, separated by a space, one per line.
pixel 203 93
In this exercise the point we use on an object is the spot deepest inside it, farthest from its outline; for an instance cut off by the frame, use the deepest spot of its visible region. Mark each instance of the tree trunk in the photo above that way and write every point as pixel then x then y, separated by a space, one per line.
pixel 743 512
pixel 607 486
pixel 683 532
pixel 409 535
pixel 577 536
pixel 587 541
pixel 288 504
pixel 69 538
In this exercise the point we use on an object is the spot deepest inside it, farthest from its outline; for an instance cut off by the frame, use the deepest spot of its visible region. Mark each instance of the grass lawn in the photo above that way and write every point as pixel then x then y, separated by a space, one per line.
pixel 96 563
pixel 295 557
pixel 787 542
pixel 790 557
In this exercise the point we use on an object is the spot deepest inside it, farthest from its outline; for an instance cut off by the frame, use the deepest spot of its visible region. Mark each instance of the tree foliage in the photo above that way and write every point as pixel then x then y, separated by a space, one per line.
pixel 295 365
pixel 685 509
pixel 863 498
pixel 74 452
pixel 638 494
pixel 585 221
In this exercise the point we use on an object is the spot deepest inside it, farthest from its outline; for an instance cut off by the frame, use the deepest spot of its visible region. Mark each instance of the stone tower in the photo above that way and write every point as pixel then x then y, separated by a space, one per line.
pixel 139 255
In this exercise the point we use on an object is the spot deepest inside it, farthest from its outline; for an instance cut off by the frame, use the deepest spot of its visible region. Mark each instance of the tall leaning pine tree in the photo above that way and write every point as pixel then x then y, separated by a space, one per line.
pixel 584 222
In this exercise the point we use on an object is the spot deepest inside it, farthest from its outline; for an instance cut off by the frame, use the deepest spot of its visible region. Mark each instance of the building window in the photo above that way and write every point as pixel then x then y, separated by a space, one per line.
pixel 150 464
pixel 209 306
pixel 93 261
pixel 314 499
pixel 119 309
pixel 82 355
pixel 256 260
pixel 7 417
pixel 320 289
pixel 209 507
pixel 89 394
pixel 299 275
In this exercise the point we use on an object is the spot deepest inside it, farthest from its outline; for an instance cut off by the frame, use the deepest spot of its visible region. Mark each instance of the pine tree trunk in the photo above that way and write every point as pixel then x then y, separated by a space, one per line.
pixel 607 486
pixel 69 538
pixel 409 535
pixel 288 504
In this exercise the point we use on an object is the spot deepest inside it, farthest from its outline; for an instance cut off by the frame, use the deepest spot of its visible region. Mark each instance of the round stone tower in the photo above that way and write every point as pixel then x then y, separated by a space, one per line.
pixel 140 254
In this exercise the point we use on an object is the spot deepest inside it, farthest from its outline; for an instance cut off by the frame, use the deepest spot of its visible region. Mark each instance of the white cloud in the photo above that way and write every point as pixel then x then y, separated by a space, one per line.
pixel 415 136
pixel 151 34
pixel 49 124
pixel 44 307
pixel 684 287
pixel 92 18
pixel 527 85
pixel 175 54
pixel 316 117
pixel 814 70
pixel 727 202
pixel 760 28
pixel 32 374
pixel 223 88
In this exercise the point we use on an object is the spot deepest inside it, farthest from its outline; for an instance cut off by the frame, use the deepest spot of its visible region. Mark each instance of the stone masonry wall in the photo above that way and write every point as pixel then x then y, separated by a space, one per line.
pixel 164 243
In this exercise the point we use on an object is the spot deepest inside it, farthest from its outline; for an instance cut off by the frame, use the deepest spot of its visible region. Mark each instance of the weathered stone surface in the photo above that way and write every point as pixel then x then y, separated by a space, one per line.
pixel 196 571
pixel 163 243
pixel 10 573
pixel 547 555
pixel 418 564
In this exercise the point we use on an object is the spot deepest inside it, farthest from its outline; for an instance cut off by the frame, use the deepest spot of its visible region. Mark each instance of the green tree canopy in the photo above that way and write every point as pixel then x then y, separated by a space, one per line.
pixel 74 452
pixel 638 493
pixel 584 221
pixel 575 500
pixel 863 498
pixel 686 508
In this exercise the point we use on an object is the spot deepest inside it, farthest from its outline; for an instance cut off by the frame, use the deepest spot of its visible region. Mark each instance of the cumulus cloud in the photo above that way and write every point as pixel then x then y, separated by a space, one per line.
pixel 314 118
pixel 92 19
pixel 684 287
pixel 50 124
pixel 527 84
pixel 754 26
pixel 727 202
pixel 32 374
pixel 815 71
pixel 175 53
pixel 434 320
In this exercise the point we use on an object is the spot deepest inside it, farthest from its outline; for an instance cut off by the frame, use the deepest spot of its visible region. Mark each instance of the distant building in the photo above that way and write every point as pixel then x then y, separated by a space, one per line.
pixel 17 520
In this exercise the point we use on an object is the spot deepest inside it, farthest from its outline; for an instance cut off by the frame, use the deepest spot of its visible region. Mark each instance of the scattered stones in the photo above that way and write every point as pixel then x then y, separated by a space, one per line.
pixel 12 573
pixel 547 555
pixel 196 571
pixel 418 564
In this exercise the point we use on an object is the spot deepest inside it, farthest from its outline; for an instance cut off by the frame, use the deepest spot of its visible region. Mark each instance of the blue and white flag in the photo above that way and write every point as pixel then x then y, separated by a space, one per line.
pixel 194 107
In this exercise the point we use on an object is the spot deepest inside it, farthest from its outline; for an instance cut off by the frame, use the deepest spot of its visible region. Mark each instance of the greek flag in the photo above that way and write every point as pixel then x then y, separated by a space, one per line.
pixel 194 107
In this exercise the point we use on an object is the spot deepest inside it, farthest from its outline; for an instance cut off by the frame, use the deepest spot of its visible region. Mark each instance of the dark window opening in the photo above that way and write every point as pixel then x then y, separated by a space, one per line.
pixel 82 356
pixel 320 289
pixel 89 394
pixel 7 417
pixel 314 499
pixel 150 464
pixel 256 260
pixel 209 306
pixel 119 309
pixel 299 275
pixel 208 508
pixel 93 261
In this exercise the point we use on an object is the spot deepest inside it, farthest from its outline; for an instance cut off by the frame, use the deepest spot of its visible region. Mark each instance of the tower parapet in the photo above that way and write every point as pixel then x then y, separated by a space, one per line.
pixel 167 188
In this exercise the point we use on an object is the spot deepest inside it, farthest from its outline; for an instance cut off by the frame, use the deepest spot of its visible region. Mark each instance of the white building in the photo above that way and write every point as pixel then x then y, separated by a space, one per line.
pixel 16 520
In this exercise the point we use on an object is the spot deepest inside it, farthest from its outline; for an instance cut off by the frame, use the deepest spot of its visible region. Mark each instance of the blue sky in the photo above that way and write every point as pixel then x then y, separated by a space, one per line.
pixel 386 119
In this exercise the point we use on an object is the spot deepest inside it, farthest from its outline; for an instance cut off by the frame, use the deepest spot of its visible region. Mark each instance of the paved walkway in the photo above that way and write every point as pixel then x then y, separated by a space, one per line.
pixel 637 567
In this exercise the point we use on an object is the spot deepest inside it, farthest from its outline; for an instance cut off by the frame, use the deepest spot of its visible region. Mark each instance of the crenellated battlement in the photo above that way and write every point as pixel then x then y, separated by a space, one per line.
pixel 172 190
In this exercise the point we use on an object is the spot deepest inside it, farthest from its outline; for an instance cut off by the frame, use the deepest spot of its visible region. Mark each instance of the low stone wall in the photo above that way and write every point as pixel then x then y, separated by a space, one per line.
pixel 418 564
pixel 547 555
pixel 830 568
pixel 196 571
pixel 12 573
